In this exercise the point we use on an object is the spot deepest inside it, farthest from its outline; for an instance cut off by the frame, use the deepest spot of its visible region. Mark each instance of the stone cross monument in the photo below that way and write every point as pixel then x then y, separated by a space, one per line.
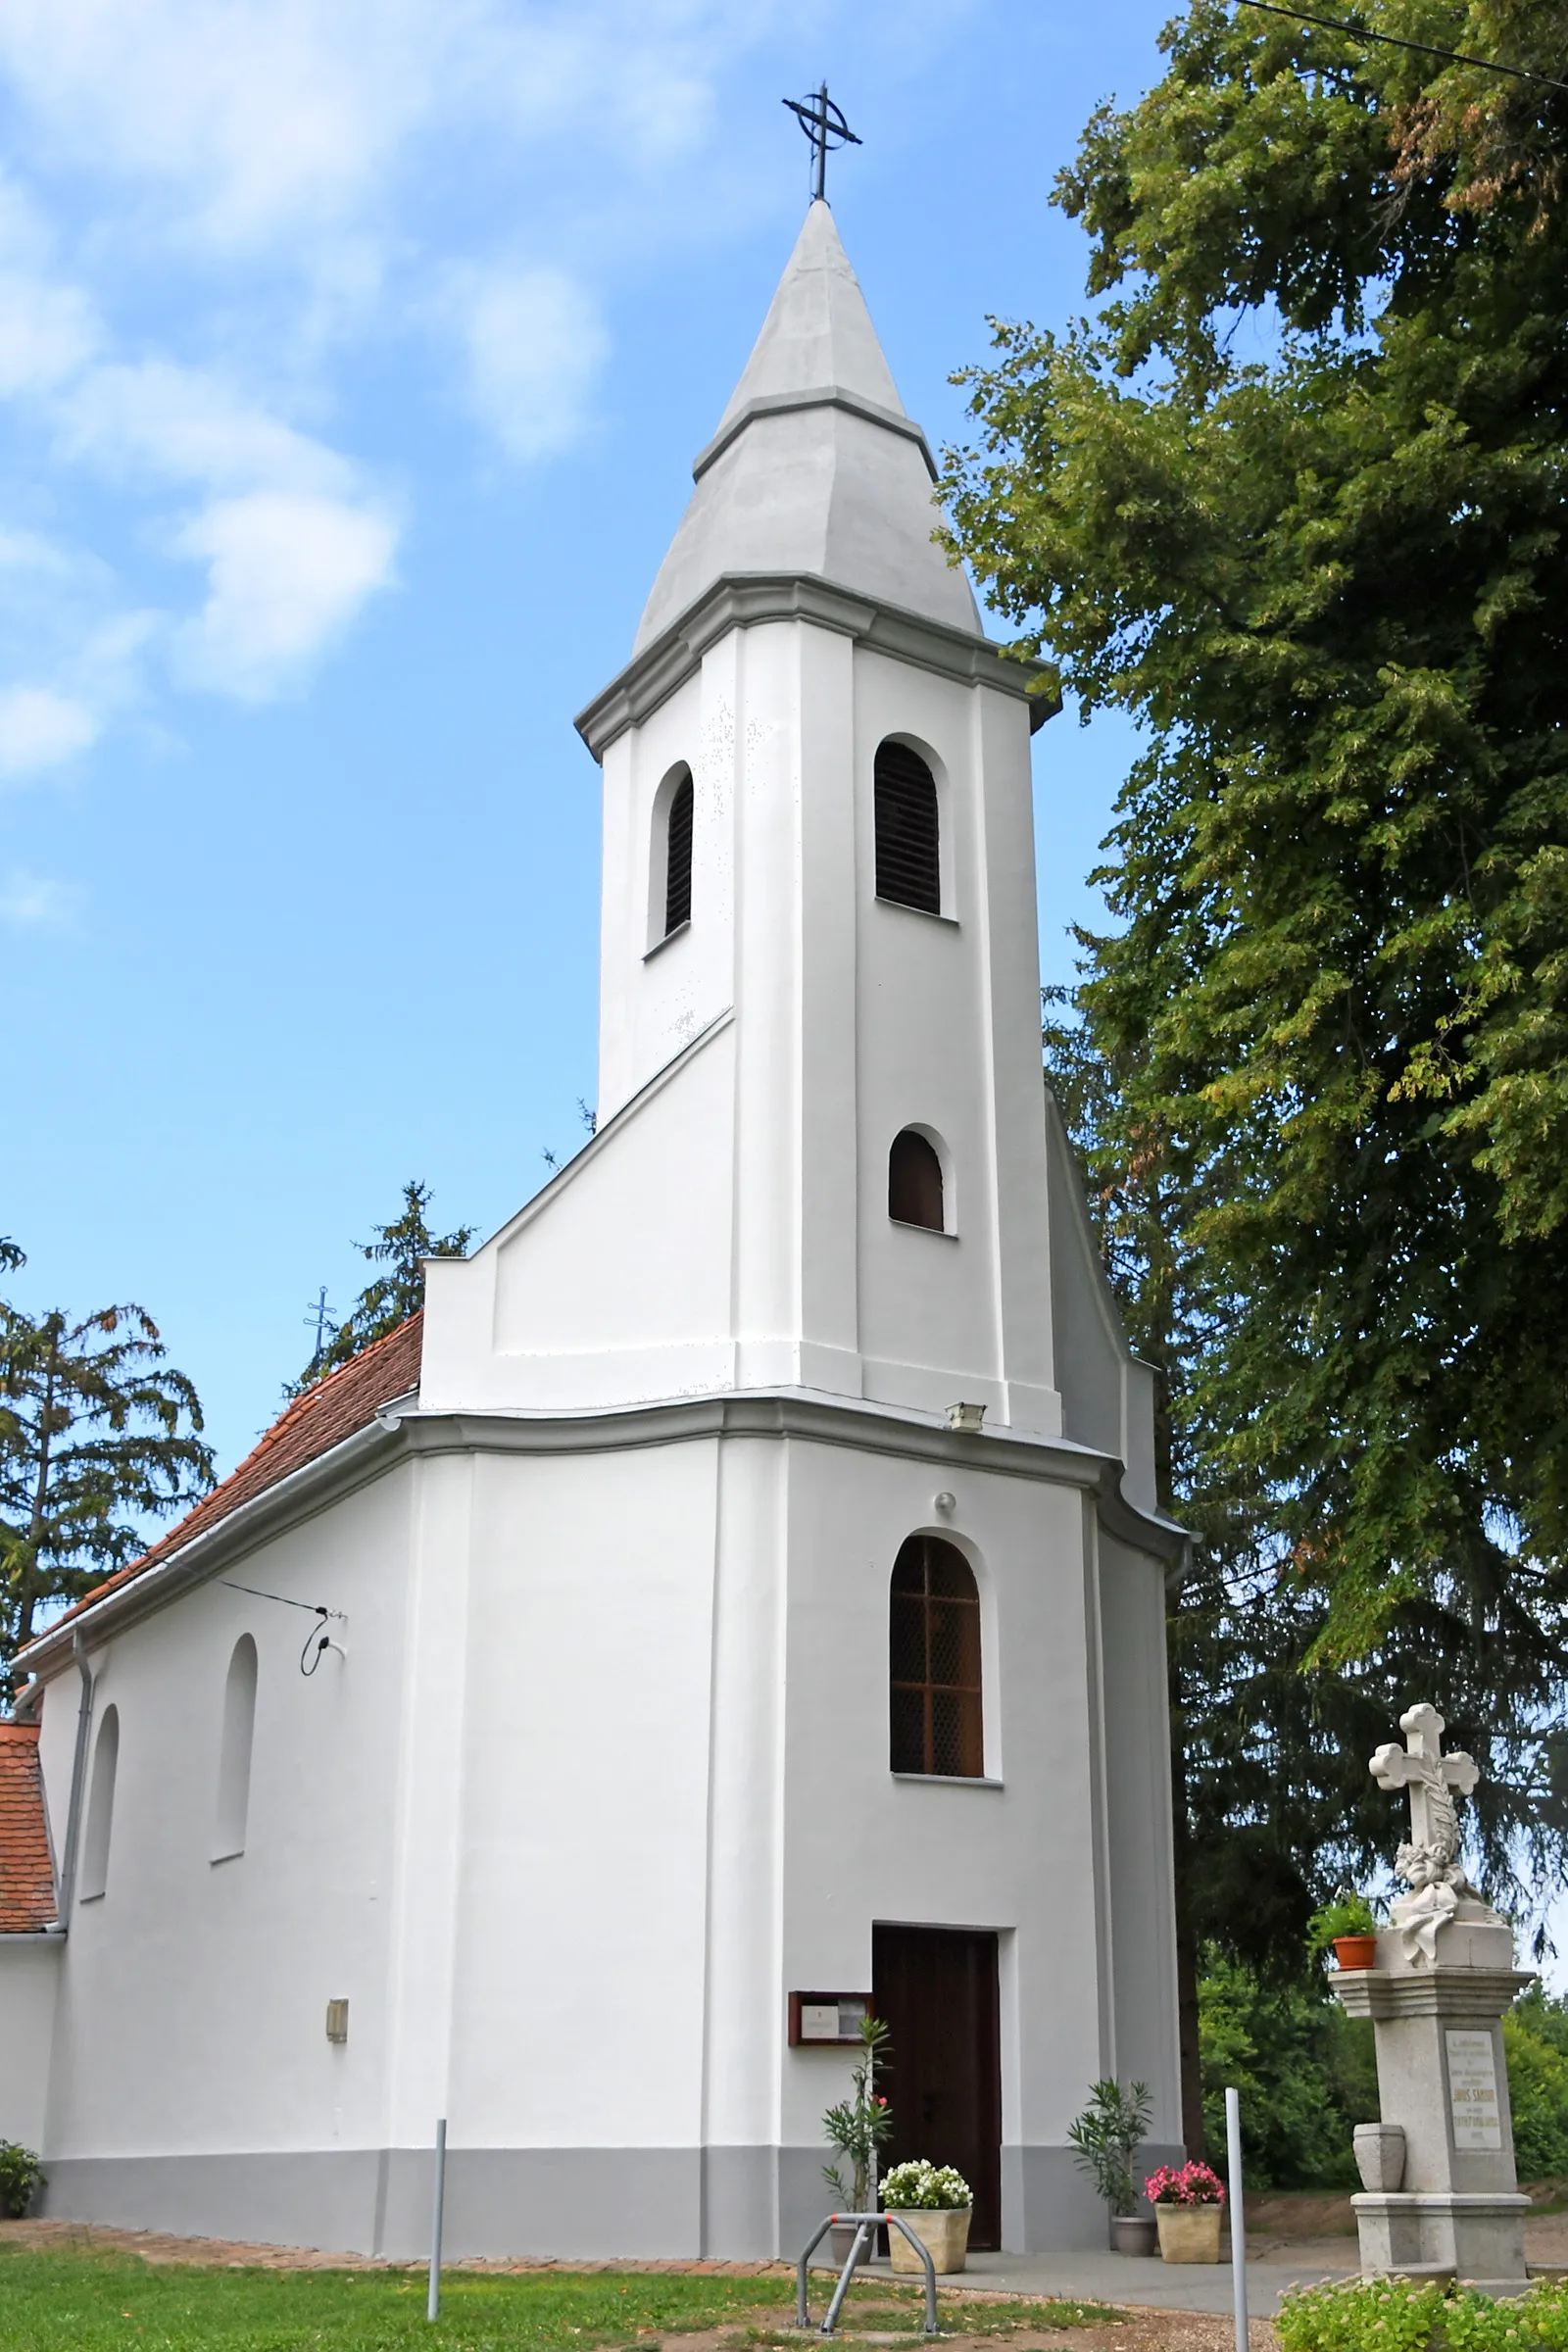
pixel 1441 2196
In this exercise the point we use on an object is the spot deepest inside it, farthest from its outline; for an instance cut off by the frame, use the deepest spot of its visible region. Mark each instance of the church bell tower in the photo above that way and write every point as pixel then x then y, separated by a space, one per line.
pixel 812 1522
pixel 818 964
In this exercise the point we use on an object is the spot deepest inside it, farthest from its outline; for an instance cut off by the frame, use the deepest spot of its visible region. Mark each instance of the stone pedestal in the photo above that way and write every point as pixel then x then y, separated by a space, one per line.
pixel 1443 2079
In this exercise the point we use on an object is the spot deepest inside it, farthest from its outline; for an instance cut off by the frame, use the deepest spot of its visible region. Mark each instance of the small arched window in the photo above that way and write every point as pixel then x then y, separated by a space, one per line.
pixel 934 1662
pixel 908 865
pixel 914 1182
pixel 678 856
pixel 100 1808
pixel 234 1752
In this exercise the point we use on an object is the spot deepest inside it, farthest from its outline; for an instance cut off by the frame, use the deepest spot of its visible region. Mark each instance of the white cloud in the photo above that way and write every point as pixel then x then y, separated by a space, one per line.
pixel 185 424
pixel 535 345
pixel 41 729
pixel 31 902
pixel 253 115
pixel 287 574
pixel 207 205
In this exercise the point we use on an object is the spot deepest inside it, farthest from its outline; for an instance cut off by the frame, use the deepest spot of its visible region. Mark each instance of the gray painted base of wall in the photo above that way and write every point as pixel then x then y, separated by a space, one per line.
pixel 741 2203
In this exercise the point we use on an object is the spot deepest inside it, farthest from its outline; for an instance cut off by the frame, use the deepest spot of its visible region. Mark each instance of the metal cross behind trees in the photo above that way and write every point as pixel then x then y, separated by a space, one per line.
pixel 325 1326
pixel 824 125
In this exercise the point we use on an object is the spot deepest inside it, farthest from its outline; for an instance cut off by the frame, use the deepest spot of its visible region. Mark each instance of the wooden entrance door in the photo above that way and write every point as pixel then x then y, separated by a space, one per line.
pixel 937 1989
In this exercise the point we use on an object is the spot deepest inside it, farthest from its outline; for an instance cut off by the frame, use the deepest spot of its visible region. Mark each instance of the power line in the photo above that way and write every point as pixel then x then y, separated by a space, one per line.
pixel 1389 40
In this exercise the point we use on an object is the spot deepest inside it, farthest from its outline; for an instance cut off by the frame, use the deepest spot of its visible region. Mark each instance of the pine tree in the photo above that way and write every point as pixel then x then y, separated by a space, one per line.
pixel 97 1434
pixel 397 1290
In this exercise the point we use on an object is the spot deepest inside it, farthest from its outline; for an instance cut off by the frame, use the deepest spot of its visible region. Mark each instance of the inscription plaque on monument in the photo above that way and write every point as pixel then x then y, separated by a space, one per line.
pixel 1473 2091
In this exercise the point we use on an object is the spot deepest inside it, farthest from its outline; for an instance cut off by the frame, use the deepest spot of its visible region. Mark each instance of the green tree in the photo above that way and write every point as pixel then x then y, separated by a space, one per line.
pixel 1275 1807
pixel 1295 499
pixel 97 1434
pixel 396 1292
pixel 1305 2072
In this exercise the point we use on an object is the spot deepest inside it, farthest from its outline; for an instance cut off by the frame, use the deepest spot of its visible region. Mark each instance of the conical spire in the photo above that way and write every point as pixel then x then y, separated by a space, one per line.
pixel 817 330
pixel 814 469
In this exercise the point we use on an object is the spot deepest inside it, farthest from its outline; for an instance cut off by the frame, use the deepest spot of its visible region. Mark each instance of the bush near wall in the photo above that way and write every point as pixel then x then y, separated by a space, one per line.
pixel 1535 2035
pixel 1305 2072
pixel 1307 2076
pixel 1393 2315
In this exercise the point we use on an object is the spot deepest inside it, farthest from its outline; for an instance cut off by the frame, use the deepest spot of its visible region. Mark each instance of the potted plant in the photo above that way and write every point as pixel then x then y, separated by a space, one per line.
pixel 856 2126
pixel 1188 2205
pixel 1106 2138
pixel 936 2201
pixel 1350 1926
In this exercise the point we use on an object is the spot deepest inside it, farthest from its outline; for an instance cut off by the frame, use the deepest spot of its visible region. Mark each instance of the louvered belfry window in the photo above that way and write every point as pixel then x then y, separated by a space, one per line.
pixel 914 1182
pixel 934 1661
pixel 909 867
pixel 678 858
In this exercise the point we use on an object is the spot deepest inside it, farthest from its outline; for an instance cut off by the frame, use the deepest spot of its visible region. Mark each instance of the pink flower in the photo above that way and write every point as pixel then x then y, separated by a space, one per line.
pixel 1193 2184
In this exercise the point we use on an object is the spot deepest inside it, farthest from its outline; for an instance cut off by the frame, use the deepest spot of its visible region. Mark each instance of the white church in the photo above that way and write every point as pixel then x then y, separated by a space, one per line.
pixel 736 1600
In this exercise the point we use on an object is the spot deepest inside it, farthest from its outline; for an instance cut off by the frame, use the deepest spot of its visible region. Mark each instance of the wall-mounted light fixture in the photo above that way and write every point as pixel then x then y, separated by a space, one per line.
pixel 337 2020
pixel 967 1418
pixel 944 1503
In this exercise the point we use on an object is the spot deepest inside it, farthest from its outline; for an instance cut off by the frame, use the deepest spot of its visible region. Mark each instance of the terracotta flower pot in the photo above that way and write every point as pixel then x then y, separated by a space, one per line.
pixel 1356 1951
pixel 945 2229
pixel 1188 2233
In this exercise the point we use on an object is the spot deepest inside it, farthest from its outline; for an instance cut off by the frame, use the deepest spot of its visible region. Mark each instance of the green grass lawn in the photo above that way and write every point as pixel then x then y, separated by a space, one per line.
pixel 84 2302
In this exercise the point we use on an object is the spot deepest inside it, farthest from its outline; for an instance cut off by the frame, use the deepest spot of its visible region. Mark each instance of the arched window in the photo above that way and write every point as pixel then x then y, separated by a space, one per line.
pixel 909 867
pixel 934 1662
pixel 234 1752
pixel 100 1808
pixel 678 856
pixel 914 1182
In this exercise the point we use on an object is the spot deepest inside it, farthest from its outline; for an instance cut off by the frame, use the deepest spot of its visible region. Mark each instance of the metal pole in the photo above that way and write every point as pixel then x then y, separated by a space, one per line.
pixel 1233 2157
pixel 433 2303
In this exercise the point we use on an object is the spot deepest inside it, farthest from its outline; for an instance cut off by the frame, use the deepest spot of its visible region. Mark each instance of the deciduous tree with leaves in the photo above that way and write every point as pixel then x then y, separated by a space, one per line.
pixel 1296 499
pixel 98 1433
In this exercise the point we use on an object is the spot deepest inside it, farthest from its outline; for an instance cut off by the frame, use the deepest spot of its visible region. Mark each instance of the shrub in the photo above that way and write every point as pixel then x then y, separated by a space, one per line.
pixel 1394 2315
pixel 21 2176
pixel 1305 2072
pixel 931 2188
pixel 1535 2034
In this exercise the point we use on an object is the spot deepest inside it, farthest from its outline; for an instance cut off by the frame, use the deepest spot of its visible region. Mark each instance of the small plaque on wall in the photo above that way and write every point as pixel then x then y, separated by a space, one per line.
pixel 827 2018
pixel 1473 2091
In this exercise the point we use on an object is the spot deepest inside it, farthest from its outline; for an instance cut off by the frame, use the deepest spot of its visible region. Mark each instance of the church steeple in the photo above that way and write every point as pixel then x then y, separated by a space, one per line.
pixel 814 469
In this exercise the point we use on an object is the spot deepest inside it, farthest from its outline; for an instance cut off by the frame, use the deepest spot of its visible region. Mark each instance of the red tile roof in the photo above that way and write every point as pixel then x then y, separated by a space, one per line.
pixel 26 1881
pixel 347 1400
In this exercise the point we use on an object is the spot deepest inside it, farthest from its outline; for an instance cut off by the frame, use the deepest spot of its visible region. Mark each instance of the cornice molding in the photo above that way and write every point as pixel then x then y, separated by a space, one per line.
pixel 739 599
pixel 401 1432
pixel 823 396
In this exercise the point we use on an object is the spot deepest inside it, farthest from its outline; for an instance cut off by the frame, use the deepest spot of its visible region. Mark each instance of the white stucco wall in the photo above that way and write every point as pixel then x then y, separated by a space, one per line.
pixel 728 1227
pixel 30 1977
pixel 193 1995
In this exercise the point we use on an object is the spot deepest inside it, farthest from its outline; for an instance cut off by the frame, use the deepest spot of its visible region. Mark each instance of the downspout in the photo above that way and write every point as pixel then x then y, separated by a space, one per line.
pixel 78 1774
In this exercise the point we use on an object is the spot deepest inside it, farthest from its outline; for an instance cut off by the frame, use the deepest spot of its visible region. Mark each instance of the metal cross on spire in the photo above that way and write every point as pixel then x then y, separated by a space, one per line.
pixel 824 125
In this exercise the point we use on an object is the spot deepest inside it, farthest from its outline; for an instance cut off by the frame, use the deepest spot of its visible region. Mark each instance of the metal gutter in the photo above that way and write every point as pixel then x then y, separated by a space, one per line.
pixel 66 1884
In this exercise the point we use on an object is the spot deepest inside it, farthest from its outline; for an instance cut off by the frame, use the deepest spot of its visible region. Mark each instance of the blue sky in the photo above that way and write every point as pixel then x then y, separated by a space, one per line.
pixel 354 355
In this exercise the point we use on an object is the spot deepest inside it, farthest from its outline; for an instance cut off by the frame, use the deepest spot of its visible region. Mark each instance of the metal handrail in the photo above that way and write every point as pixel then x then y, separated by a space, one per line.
pixel 867 2222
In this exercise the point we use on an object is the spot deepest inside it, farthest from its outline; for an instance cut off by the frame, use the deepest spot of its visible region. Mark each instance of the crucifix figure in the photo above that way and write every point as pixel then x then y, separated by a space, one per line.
pixel 824 125
pixel 1429 1861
